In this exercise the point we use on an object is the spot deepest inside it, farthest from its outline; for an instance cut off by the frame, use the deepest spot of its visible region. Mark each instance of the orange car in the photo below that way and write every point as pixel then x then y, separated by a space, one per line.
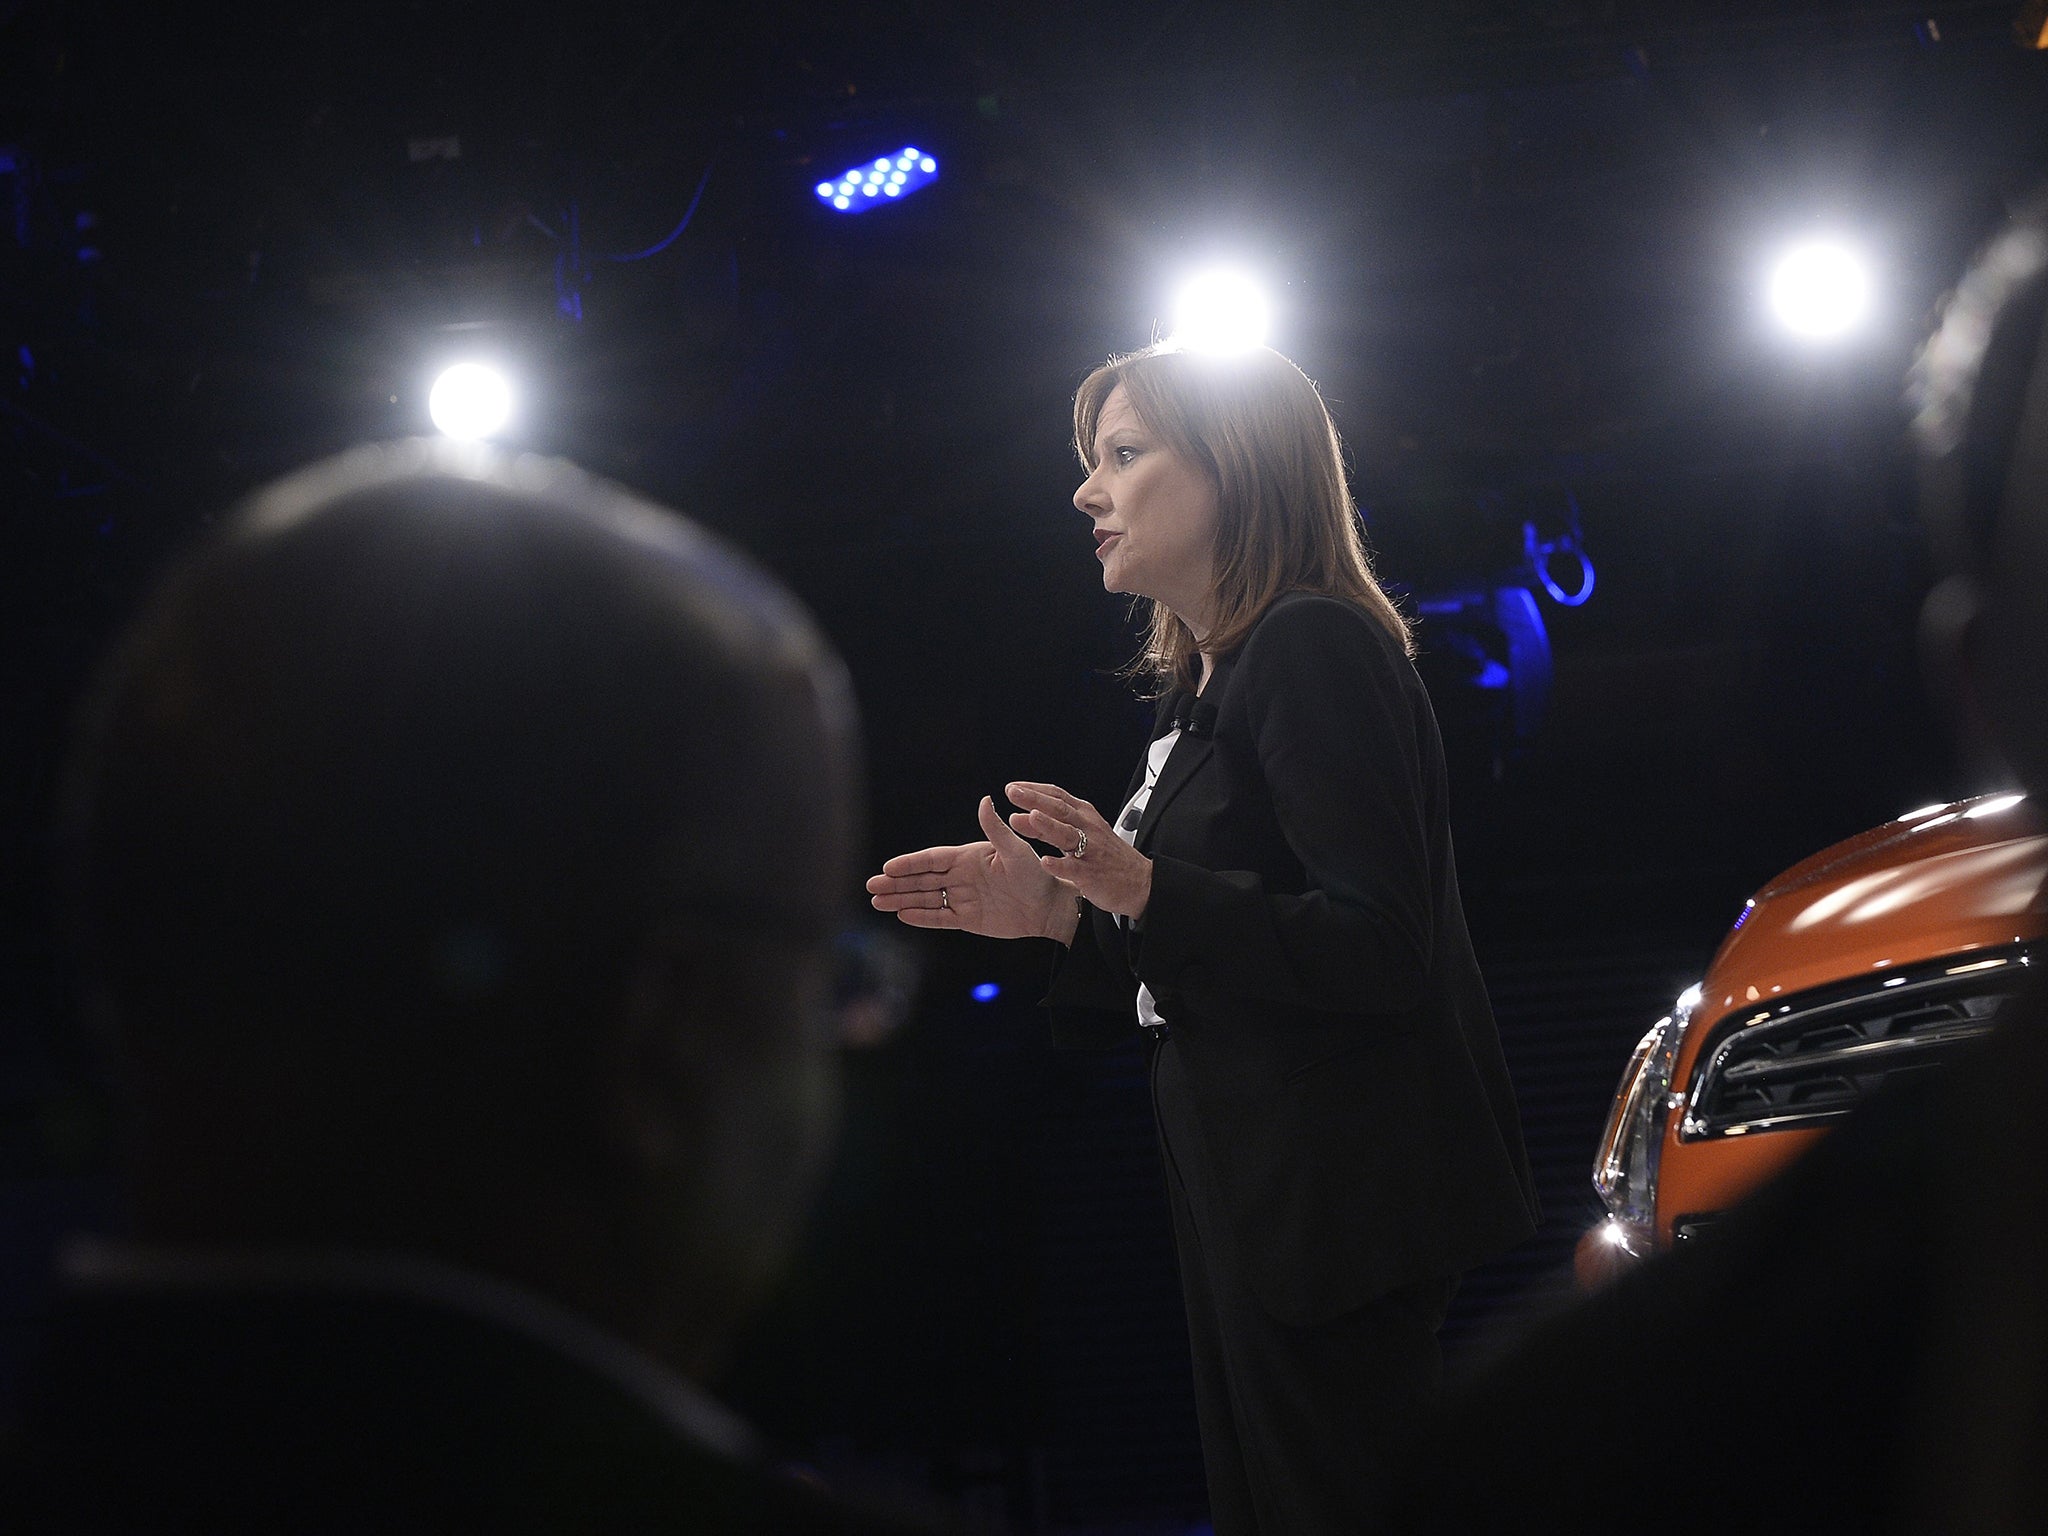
pixel 1874 957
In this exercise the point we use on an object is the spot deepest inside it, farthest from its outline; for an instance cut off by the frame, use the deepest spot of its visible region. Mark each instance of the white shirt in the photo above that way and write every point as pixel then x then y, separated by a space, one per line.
pixel 1127 828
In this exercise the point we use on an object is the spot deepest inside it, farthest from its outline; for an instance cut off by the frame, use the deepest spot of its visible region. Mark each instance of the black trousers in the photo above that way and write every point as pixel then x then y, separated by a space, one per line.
pixel 1298 1425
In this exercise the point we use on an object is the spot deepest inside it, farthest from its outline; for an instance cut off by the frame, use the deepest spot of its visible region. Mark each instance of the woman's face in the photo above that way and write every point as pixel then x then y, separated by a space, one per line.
pixel 1154 515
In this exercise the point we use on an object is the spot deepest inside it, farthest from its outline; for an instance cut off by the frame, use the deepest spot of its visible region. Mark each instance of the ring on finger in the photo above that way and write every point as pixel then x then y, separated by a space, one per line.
pixel 1081 848
pixel 945 901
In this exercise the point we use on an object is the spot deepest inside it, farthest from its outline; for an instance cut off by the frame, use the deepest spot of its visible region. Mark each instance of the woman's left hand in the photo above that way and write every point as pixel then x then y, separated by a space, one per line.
pixel 1102 866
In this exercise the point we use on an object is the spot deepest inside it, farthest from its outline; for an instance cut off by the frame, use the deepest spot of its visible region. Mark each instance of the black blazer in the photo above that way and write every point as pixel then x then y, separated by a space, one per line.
pixel 1306 945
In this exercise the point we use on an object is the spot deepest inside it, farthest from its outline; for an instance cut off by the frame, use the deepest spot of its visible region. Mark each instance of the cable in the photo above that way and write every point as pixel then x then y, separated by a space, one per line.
pixel 1558 594
pixel 1573 543
pixel 675 234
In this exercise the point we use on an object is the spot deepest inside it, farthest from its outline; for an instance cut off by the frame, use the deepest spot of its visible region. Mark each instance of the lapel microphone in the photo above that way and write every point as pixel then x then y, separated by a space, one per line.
pixel 1193 715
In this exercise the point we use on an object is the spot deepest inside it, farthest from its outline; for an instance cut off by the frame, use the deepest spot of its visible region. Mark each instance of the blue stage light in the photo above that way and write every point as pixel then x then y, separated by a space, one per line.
pixel 987 992
pixel 894 177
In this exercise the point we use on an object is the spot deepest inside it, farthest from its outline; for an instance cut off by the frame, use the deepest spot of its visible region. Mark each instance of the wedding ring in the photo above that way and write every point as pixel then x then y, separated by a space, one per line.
pixel 945 901
pixel 1082 851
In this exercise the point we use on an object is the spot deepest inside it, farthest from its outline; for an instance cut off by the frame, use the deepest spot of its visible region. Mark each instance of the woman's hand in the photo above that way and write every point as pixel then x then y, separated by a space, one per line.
pixel 1000 889
pixel 1094 860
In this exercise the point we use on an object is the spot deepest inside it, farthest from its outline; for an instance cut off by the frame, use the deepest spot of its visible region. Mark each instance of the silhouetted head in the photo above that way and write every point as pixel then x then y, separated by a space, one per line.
pixel 1981 392
pixel 456 842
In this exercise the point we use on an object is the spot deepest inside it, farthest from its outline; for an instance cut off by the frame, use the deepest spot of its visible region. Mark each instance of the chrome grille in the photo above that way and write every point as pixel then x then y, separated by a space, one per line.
pixel 1819 1055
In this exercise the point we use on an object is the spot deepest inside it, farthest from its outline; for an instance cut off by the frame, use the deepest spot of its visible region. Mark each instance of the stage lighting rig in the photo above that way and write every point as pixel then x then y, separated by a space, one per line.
pixel 1221 311
pixel 1487 657
pixel 1820 290
pixel 879 182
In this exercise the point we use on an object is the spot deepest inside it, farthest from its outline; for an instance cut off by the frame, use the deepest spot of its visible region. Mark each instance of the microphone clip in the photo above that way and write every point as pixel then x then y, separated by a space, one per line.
pixel 1194 716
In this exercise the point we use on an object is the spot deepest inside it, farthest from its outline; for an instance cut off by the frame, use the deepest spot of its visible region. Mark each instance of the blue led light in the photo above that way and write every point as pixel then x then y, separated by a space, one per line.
pixel 891 177
pixel 987 992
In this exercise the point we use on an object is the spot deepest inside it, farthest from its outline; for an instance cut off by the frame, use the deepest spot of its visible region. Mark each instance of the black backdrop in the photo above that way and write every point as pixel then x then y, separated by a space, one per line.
pixel 1519 244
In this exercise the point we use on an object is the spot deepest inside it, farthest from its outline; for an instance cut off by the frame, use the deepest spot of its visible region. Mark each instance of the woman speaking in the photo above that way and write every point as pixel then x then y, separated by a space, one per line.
pixel 1274 906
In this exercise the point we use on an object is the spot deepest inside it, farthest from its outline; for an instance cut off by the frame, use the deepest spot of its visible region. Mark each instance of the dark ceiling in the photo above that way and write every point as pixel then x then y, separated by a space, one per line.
pixel 1519 244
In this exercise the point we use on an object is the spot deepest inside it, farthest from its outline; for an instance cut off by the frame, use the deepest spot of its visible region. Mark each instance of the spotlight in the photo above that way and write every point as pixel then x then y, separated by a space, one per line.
pixel 987 992
pixel 1221 311
pixel 470 400
pixel 892 177
pixel 1820 290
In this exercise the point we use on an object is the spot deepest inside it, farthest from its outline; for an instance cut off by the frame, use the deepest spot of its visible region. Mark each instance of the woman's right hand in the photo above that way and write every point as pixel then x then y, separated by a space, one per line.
pixel 998 888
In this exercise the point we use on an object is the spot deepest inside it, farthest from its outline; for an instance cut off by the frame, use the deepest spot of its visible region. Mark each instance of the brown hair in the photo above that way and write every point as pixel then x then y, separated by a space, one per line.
pixel 1285 521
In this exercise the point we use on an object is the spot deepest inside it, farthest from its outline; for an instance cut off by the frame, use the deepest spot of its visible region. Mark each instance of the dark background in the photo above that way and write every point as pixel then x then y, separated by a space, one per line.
pixel 1520 243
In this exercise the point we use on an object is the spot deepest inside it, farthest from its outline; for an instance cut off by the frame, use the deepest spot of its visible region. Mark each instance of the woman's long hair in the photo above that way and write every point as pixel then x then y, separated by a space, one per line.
pixel 1285 521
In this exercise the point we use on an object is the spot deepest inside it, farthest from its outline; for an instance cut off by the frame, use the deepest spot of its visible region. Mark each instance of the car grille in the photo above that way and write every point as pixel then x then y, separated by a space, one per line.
pixel 1819 1055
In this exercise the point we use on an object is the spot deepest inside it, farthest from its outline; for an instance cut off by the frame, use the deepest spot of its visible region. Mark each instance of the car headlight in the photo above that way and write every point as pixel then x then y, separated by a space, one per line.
pixel 1625 1169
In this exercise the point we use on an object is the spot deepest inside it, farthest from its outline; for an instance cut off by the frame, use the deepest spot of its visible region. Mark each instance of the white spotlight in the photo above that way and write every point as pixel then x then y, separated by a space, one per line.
pixel 1820 289
pixel 470 400
pixel 1221 312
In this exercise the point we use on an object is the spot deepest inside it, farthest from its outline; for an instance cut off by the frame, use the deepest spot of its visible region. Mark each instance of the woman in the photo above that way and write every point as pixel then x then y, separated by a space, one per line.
pixel 1275 907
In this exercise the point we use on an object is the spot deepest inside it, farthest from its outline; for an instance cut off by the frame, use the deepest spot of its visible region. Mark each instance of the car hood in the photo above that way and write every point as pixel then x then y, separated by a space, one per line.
pixel 1942 881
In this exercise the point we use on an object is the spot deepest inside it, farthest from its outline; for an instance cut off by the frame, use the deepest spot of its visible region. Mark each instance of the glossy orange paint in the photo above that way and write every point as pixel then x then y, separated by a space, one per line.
pixel 1942 882
pixel 1699 1178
